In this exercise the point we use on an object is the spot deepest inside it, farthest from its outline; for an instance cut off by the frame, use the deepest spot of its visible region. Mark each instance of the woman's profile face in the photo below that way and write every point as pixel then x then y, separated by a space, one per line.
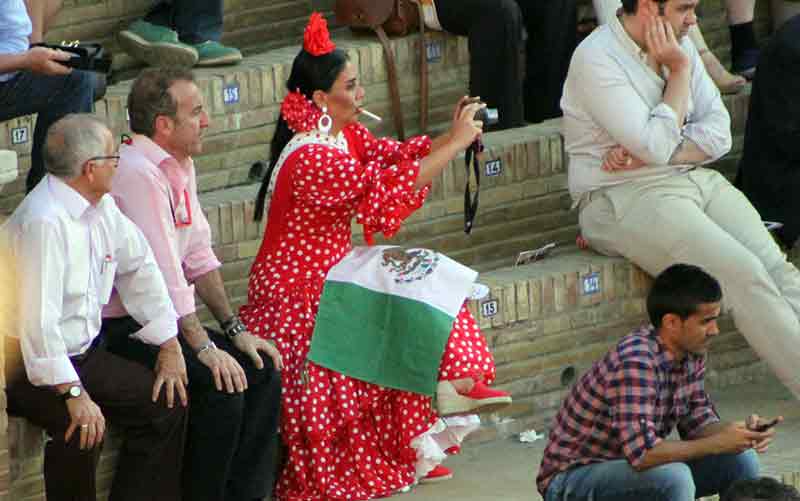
pixel 345 97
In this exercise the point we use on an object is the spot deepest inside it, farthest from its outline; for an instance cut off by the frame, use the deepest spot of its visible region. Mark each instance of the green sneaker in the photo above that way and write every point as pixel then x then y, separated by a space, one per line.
pixel 156 45
pixel 211 53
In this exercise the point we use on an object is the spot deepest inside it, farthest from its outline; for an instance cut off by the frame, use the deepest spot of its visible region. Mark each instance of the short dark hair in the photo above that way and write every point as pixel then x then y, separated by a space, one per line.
pixel 680 289
pixel 629 6
pixel 760 489
pixel 150 97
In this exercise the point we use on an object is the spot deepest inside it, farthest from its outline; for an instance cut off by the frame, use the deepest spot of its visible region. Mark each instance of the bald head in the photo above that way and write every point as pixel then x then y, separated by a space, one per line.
pixel 71 142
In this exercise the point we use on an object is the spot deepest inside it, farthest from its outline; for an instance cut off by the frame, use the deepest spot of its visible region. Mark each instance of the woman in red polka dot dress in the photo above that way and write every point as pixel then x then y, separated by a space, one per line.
pixel 347 439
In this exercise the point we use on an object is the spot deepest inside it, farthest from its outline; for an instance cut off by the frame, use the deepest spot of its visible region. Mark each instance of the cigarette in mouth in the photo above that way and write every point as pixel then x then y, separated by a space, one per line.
pixel 370 115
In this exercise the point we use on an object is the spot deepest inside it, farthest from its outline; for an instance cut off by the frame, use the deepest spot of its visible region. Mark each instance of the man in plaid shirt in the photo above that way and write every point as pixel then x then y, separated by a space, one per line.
pixel 610 441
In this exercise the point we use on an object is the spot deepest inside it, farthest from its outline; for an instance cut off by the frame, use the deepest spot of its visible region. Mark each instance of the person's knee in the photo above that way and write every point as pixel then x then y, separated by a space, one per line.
pixel 674 481
pixel 746 465
pixel 83 85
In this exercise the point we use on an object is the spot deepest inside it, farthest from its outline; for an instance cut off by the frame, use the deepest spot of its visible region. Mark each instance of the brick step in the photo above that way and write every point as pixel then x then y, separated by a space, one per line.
pixel 247 23
pixel 240 131
pixel 545 330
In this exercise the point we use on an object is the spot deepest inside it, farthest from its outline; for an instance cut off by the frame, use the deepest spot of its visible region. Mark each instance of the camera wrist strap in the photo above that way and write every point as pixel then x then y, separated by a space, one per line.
pixel 471 203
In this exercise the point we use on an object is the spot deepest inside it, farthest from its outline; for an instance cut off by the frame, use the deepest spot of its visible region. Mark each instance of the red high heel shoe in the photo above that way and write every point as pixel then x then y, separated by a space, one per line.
pixel 438 474
pixel 480 399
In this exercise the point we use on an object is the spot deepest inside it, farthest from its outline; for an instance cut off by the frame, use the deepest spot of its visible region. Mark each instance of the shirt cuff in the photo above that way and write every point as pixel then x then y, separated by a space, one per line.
pixel 183 299
pixel 160 329
pixel 639 438
pixel 50 371
pixel 701 421
pixel 195 268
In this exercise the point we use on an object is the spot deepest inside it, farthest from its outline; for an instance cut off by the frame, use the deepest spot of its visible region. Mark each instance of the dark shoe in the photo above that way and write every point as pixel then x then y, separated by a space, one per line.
pixel 156 45
pixel 745 63
pixel 211 53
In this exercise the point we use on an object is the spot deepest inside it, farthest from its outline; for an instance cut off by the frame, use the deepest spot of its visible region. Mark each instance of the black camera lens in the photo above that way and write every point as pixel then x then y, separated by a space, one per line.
pixel 489 116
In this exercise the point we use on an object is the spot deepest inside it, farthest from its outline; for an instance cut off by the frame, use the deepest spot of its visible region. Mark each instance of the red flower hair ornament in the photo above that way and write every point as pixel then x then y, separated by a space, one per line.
pixel 316 38
pixel 300 113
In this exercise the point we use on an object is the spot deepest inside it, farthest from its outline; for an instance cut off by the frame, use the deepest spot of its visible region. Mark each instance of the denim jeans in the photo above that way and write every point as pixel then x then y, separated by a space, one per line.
pixel 617 481
pixel 195 20
pixel 51 97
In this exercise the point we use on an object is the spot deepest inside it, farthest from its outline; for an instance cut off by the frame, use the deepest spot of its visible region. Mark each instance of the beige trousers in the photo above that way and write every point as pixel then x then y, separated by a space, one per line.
pixel 701 219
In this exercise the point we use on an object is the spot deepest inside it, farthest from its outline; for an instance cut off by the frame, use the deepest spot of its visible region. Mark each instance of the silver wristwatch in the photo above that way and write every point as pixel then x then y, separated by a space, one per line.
pixel 208 346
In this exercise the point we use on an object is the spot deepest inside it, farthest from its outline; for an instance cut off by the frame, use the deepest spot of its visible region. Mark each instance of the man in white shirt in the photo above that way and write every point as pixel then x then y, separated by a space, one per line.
pixel 641 117
pixel 72 245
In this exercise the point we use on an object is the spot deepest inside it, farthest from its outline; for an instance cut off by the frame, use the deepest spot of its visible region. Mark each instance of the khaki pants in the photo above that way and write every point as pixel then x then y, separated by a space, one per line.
pixel 701 219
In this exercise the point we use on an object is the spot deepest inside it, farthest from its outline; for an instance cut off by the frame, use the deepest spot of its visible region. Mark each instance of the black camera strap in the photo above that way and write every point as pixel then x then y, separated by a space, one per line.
pixel 471 203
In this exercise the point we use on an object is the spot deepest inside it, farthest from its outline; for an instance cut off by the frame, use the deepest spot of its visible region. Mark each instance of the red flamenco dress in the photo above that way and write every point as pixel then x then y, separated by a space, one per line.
pixel 346 439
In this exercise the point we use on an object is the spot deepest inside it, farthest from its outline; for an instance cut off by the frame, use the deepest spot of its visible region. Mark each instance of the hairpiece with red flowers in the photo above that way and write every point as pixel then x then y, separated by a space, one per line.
pixel 300 113
pixel 316 38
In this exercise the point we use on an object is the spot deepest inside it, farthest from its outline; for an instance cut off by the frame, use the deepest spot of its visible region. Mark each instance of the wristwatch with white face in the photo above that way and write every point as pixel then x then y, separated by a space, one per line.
pixel 74 391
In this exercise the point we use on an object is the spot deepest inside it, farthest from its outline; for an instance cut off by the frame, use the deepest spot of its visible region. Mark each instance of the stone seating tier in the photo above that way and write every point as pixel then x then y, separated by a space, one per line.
pixel 546 329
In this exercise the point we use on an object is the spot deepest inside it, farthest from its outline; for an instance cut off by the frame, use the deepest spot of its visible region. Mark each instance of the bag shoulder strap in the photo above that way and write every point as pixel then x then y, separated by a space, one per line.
pixel 394 89
pixel 423 72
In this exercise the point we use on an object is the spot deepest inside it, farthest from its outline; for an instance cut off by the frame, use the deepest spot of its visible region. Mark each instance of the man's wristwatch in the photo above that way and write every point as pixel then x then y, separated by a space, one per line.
pixel 232 327
pixel 208 346
pixel 74 391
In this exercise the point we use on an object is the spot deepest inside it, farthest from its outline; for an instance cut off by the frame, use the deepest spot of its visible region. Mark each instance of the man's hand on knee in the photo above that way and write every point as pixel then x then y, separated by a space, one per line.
pixel 87 417
pixel 227 372
pixel 251 345
pixel 171 373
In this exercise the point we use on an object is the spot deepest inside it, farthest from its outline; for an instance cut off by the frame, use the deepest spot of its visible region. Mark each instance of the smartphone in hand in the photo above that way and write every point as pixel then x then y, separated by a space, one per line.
pixel 766 426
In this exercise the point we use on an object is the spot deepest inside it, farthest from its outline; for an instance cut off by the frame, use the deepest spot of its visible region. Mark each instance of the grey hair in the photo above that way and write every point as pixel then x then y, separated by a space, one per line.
pixel 72 141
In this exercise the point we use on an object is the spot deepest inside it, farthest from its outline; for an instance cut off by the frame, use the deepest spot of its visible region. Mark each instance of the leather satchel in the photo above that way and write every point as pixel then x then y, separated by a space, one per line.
pixel 391 17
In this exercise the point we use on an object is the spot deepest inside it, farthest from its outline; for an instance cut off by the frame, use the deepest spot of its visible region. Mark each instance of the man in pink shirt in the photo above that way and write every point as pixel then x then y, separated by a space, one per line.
pixel 234 389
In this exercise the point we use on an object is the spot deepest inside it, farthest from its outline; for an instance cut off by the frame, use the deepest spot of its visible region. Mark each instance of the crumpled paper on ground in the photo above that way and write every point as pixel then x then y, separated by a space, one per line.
pixel 530 436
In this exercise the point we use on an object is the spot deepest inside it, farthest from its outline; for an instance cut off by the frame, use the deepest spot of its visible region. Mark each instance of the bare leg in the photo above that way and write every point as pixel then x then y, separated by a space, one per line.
pixel 740 11
pixel 727 82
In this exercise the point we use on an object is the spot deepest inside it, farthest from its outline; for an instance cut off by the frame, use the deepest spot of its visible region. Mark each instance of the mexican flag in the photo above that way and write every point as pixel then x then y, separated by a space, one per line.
pixel 386 314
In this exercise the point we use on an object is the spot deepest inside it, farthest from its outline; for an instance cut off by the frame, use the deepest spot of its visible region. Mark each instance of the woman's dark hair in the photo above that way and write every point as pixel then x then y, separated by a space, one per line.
pixel 679 290
pixel 309 73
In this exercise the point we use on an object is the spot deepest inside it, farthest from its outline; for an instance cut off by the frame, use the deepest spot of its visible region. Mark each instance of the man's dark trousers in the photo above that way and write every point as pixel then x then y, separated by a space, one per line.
pixel 232 439
pixel 51 98
pixel 195 21
pixel 150 459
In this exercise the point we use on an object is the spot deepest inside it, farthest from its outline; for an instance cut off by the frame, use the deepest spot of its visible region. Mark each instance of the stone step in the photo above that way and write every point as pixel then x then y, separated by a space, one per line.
pixel 240 131
pixel 247 23
pixel 548 321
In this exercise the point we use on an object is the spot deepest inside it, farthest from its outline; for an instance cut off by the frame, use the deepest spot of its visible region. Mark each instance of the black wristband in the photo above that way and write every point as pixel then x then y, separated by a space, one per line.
pixel 233 327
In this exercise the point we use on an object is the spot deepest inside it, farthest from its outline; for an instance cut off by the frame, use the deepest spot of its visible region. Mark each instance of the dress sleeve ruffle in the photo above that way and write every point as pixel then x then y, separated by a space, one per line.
pixel 391 197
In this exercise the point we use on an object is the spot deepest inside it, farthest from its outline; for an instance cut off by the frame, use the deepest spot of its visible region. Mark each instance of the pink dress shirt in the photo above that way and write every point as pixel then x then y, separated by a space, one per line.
pixel 160 196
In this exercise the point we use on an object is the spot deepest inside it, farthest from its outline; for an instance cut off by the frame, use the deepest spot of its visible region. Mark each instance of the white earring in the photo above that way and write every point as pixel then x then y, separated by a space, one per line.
pixel 325 122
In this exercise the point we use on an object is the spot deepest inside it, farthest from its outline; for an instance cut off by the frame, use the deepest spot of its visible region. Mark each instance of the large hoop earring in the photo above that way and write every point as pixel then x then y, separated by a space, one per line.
pixel 325 122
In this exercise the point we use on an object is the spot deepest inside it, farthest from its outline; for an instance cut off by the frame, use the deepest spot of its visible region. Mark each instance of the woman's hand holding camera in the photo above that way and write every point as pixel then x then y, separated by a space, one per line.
pixel 465 129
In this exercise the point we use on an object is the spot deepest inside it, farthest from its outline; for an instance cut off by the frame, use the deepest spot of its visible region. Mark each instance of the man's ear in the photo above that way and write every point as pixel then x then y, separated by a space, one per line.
pixel 320 98
pixel 671 321
pixel 163 125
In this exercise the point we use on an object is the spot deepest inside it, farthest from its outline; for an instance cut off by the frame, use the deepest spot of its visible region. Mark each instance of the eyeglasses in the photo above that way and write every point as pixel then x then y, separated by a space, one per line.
pixel 105 157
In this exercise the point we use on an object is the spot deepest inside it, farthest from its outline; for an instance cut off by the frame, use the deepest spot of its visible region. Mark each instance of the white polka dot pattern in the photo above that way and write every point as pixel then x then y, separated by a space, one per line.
pixel 346 439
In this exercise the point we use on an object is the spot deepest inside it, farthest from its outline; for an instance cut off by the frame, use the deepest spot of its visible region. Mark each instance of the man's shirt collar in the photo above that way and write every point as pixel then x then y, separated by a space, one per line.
pixel 72 201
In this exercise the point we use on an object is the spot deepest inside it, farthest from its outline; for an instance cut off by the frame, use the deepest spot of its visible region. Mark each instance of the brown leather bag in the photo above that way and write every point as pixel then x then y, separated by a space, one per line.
pixel 391 17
